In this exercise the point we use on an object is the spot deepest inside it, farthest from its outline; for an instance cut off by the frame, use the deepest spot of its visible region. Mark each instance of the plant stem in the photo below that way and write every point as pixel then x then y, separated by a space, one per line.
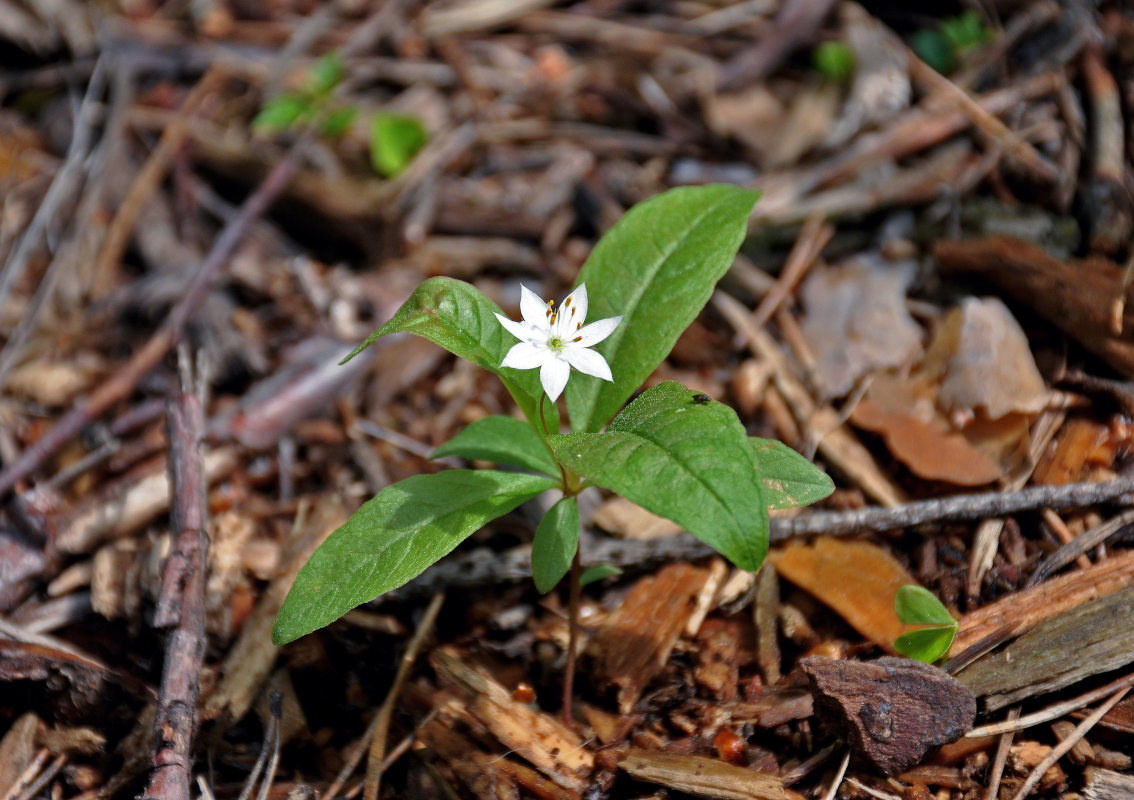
pixel 572 639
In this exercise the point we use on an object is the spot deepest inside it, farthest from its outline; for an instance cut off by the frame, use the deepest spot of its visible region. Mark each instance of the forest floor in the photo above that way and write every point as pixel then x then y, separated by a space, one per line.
pixel 932 304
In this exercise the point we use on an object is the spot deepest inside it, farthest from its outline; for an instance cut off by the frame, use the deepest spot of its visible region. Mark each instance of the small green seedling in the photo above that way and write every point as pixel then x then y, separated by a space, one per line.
pixel 944 46
pixel 930 642
pixel 394 141
pixel 834 60
pixel 394 138
pixel 670 449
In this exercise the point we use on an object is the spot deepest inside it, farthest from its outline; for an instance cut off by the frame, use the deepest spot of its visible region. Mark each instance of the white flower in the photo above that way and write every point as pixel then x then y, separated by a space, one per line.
pixel 556 340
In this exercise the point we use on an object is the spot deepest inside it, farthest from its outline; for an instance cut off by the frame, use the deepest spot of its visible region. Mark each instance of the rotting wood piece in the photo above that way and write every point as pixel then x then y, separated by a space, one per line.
pixel 892 710
pixel 706 777
pixel 553 748
pixel 1103 784
pixel 1086 640
pixel 488 776
pixel 635 641
pixel 484 778
pixel 1073 295
pixel 1018 612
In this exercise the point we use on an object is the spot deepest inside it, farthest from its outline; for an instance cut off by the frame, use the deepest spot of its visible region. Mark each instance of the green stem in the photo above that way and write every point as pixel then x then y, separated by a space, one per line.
pixel 572 639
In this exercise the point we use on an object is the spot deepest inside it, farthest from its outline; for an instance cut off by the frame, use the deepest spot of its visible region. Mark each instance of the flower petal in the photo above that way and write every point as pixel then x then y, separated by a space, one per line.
pixel 525 355
pixel 553 375
pixel 521 330
pixel 578 303
pixel 533 309
pixel 595 332
pixel 589 362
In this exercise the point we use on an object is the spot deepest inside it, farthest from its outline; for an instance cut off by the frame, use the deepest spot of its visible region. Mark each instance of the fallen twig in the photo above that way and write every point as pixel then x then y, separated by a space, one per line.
pixel 483 567
pixel 182 604
pixel 1060 749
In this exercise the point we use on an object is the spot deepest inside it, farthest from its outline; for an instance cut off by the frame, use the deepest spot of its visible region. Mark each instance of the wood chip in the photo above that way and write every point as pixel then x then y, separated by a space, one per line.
pixel 891 710
pixel 704 777
pixel 1018 612
pixel 549 745
pixel 1103 784
pixel 1086 640
pixel 635 641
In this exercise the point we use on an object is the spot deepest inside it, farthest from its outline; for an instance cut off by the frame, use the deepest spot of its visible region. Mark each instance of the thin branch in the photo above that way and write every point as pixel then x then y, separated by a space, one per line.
pixel 181 605
pixel 483 567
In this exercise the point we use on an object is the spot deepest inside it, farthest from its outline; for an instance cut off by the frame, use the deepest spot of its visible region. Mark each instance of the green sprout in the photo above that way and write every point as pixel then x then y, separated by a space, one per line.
pixel 835 61
pixel 394 138
pixel 944 46
pixel 932 640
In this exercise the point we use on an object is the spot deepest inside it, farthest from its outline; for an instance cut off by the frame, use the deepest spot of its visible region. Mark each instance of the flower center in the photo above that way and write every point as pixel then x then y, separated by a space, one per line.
pixel 555 343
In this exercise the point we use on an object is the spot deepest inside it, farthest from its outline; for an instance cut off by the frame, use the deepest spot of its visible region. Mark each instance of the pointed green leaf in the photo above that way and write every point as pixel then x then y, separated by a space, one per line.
pixel 597 573
pixel 501 439
pixel 555 545
pixel 916 605
pixel 325 75
pixel 394 141
pixel 458 317
pixel 928 645
pixel 337 122
pixel 790 480
pixel 657 268
pixel 393 537
pixel 280 113
pixel 682 459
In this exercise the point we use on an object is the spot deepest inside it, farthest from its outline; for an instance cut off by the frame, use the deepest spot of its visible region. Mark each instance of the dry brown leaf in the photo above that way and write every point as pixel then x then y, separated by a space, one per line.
pixel 812 113
pixel 985 362
pixel 857 321
pixel 855 578
pixel 53 383
pixel 1082 445
pixel 618 515
pixel 929 451
pixel 753 116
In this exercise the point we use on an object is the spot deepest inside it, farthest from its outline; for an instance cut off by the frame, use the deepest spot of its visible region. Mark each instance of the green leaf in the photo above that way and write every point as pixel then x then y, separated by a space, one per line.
pixel 790 480
pixel 682 459
pixel 934 49
pixel 597 573
pixel 835 61
pixel 337 122
pixel 916 605
pixel 456 316
pixel 325 75
pixel 394 141
pixel 927 644
pixel 281 113
pixel 556 542
pixel 394 537
pixel 965 31
pixel 501 439
pixel 657 268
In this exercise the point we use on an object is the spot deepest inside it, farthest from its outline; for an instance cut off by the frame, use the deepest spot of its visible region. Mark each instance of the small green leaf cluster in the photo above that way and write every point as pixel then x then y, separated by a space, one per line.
pixel 944 46
pixel 671 450
pixel 394 138
pixel 834 60
pixel 932 640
